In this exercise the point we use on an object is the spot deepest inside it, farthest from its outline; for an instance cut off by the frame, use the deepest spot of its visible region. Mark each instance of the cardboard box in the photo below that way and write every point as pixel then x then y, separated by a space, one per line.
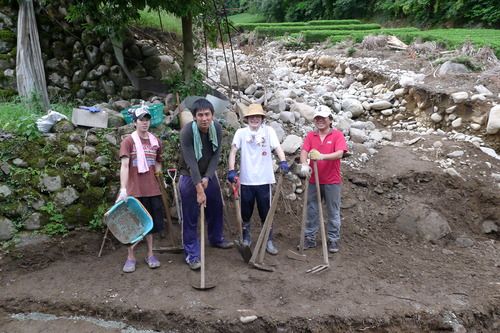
pixel 87 118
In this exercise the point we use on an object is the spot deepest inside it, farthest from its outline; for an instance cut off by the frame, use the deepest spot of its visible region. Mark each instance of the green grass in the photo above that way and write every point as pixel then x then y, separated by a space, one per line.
pixel 272 31
pixel 451 38
pixel 333 22
pixel 247 18
pixel 339 30
pixel 356 35
pixel 168 21
pixel 16 112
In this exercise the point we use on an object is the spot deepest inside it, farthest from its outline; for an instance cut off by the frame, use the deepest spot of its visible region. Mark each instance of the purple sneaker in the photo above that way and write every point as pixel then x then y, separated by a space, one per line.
pixel 152 262
pixel 129 266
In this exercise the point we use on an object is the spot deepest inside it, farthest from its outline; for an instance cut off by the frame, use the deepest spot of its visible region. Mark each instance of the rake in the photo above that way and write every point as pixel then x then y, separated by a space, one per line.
pixel 292 254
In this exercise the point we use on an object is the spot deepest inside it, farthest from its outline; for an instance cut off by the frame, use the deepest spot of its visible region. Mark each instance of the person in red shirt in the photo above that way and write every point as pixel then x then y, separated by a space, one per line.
pixel 327 146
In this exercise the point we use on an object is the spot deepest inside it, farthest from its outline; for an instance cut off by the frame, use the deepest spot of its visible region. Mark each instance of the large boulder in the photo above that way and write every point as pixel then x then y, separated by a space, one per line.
pixel 291 144
pixel 326 62
pixel 7 228
pixel 244 79
pixel 422 222
pixel 353 106
pixel 305 110
pixel 493 120
pixel 452 68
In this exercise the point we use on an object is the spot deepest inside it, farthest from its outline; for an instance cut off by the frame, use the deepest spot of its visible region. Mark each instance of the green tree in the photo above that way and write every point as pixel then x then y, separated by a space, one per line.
pixel 424 13
pixel 486 12
pixel 304 10
pixel 273 10
pixel 351 9
pixel 111 18
pixel 438 12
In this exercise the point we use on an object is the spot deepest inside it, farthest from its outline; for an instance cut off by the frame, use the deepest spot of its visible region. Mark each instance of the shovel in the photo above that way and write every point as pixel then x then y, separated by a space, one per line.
pixel 260 247
pixel 173 248
pixel 203 285
pixel 294 255
pixel 325 264
pixel 244 249
pixel 174 185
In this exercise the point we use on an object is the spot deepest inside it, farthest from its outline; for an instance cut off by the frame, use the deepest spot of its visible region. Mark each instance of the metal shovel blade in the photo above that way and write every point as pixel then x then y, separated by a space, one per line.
pixel 203 286
pixel 261 266
pixel 296 256
pixel 245 251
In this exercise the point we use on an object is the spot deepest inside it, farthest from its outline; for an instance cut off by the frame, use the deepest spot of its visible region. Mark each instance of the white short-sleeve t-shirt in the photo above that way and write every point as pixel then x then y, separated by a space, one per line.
pixel 256 154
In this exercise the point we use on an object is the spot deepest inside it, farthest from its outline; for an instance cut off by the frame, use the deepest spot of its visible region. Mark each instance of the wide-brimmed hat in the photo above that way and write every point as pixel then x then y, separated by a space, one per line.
pixel 255 110
pixel 323 111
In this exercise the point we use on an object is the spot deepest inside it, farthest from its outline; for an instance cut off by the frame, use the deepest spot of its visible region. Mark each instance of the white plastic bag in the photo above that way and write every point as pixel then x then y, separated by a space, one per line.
pixel 46 122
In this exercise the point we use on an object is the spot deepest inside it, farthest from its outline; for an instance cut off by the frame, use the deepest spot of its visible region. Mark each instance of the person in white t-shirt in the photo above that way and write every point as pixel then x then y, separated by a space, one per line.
pixel 257 141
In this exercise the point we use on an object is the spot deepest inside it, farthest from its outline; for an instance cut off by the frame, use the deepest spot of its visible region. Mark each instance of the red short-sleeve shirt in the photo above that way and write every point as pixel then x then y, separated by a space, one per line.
pixel 141 184
pixel 328 171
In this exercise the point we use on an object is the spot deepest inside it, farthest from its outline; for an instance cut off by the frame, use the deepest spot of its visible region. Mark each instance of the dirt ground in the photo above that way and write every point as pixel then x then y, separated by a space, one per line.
pixel 381 280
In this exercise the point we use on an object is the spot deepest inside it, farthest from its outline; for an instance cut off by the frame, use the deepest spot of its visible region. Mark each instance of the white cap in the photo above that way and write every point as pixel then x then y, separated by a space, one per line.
pixel 141 112
pixel 323 111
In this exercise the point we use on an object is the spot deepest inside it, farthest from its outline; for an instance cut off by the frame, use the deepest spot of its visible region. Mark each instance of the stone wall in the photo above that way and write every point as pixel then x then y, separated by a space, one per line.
pixel 79 65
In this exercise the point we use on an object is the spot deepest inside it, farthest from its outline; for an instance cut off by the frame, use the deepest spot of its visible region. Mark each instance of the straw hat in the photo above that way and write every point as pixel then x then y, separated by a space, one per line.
pixel 255 110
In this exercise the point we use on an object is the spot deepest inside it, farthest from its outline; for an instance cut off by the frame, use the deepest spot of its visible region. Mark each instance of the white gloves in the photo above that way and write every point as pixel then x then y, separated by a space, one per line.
pixel 315 155
pixel 123 195
pixel 305 170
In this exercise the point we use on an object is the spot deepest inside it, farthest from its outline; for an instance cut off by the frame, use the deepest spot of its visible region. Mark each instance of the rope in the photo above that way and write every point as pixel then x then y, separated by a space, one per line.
pixel 232 53
pixel 223 49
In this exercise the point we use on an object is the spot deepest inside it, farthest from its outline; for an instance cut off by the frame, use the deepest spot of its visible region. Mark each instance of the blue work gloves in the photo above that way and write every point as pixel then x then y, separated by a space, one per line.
pixel 231 176
pixel 284 167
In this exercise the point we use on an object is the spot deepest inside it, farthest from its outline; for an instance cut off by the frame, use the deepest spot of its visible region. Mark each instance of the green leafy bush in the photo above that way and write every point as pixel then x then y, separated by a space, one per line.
pixel 333 22
pixel 272 31
pixel 452 38
pixel 357 36
pixel 195 86
pixel 27 127
pixel 246 18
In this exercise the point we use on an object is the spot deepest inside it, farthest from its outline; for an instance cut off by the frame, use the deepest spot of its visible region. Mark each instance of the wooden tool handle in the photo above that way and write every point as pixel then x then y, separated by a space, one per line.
pixel 320 213
pixel 304 218
pixel 260 247
pixel 202 245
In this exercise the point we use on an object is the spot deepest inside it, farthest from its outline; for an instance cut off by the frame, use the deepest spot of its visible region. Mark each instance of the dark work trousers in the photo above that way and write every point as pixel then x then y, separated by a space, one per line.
pixel 251 194
pixel 191 211
pixel 154 206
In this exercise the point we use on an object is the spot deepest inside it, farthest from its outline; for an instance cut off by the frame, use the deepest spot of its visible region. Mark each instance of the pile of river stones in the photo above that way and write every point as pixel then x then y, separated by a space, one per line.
pixel 292 84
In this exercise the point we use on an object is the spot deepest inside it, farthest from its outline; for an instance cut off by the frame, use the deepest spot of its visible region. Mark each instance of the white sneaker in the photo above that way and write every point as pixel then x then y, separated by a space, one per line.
pixel 270 248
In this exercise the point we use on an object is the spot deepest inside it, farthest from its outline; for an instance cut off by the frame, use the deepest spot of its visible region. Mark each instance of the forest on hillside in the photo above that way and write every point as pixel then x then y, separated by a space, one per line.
pixel 418 13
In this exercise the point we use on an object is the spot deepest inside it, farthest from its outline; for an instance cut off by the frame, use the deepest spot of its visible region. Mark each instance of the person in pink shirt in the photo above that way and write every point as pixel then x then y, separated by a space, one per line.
pixel 141 158
pixel 326 146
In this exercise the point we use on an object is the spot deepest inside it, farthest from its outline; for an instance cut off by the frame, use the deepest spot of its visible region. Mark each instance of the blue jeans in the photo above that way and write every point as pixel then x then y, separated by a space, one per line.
pixel 190 213
pixel 330 195
pixel 250 194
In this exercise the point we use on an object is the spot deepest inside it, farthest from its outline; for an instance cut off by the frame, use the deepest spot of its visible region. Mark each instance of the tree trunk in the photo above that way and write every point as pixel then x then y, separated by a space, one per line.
pixel 187 42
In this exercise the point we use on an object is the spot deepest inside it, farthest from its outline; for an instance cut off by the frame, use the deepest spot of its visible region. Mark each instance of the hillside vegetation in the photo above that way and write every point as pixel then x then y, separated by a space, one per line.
pixel 422 13
pixel 339 30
